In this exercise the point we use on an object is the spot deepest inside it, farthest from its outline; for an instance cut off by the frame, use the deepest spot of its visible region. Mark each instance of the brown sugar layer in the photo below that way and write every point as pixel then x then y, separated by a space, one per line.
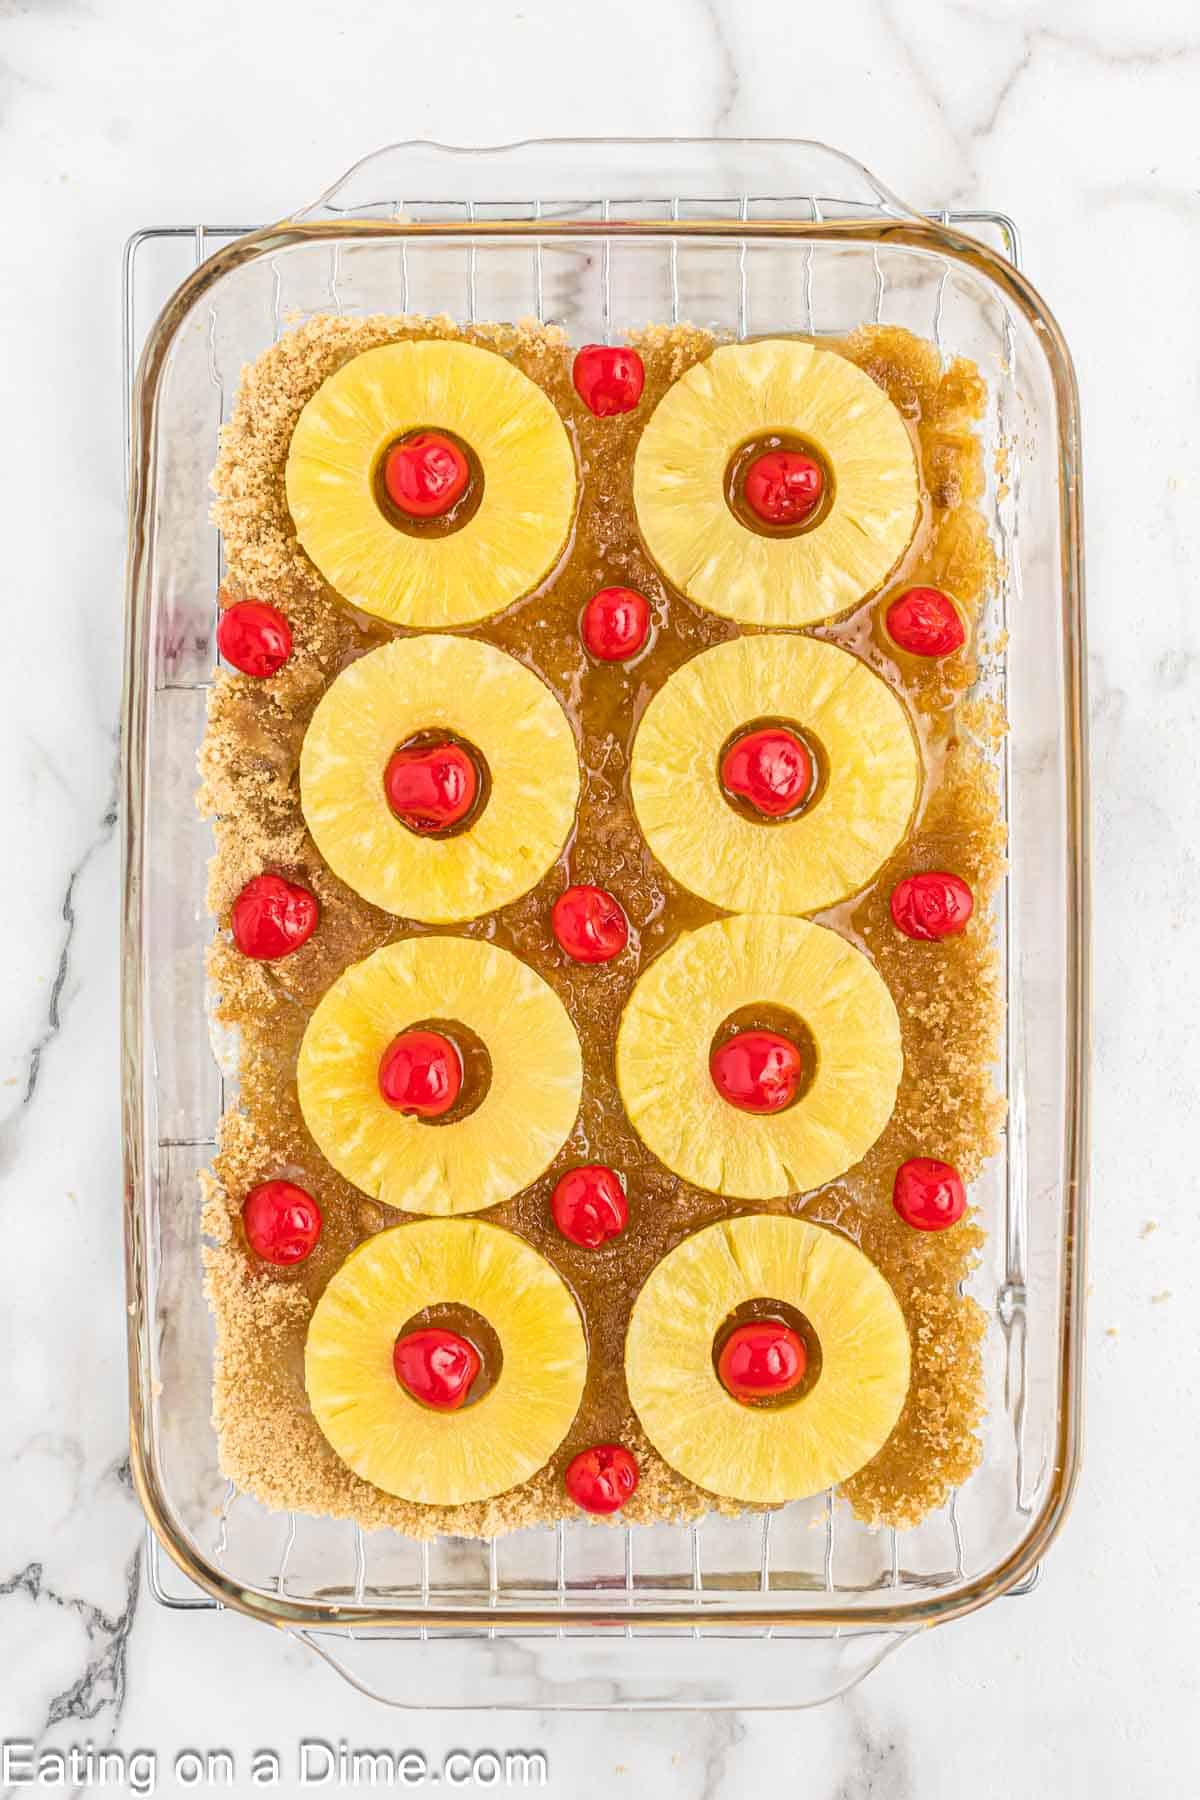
pixel 947 994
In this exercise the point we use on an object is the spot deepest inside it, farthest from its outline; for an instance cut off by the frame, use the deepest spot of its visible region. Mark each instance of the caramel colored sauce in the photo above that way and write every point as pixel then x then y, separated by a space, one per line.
pixel 948 994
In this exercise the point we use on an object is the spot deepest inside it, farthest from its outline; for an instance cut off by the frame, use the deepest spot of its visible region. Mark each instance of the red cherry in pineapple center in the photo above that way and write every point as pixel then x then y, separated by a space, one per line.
pixel 601 1479
pixel 615 623
pixel 589 924
pixel 282 1222
pixel 421 1074
pixel 589 1205
pixel 608 378
pixel 770 769
pixel 783 487
pixel 762 1360
pixel 425 474
pixel 272 917
pixel 436 1366
pixel 757 1071
pixel 431 787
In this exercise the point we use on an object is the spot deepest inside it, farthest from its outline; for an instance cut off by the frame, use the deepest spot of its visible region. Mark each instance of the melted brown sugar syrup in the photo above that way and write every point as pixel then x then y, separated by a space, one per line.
pixel 947 994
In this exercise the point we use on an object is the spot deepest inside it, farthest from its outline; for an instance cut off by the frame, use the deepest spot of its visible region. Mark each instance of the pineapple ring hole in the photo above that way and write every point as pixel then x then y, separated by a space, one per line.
pixel 476 1063
pixel 433 738
pixel 451 1315
pixel 817 755
pixel 441 524
pixel 758 1311
pixel 765 1015
pixel 738 467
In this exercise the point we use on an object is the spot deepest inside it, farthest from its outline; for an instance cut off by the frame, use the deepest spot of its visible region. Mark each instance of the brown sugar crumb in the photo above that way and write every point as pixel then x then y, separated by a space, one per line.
pixel 948 995
pixel 933 1448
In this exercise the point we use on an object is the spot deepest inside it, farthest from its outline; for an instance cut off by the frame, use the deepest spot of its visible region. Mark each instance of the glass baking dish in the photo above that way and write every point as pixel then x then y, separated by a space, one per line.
pixel 750 238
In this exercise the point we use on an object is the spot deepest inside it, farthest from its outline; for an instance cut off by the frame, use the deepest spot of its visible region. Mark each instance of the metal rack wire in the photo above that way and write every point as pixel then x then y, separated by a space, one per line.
pixel 204 240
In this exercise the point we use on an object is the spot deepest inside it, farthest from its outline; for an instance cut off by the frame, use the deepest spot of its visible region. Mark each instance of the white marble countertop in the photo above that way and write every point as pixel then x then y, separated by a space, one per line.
pixel 1079 118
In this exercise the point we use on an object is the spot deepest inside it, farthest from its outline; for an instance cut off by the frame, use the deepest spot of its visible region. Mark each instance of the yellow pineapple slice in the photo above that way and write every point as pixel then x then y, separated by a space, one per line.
pixel 510 542
pixel 464 1162
pixel 390 1439
pixel 478 693
pixel 736 966
pixel 862 808
pixel 775 387
pixel 767 1454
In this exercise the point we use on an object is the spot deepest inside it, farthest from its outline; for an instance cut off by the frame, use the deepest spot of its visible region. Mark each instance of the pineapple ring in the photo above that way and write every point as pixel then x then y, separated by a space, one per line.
pixel 480 694
pixel 484 1156
pixel 524 516
pixel 767 1454
pixel 747 391
pixel 384 1434
pixel 840 840
pixel 684 998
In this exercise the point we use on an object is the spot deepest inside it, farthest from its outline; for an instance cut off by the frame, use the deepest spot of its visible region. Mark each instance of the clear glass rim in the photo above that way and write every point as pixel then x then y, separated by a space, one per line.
pixel 862 188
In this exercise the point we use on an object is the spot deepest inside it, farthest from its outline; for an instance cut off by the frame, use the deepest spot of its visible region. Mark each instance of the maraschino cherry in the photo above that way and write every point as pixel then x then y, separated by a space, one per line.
pixel 608 378
pixel 272 917
pixel 436 1366
pixel 771 769
pixel 933 904
pixel 589 1205
pixel 421 1074
pixel 929 1195
pixel 254 637
pixel 615 623
pixel 589 924
pixel 757 1071
pixel 761 1360
pixel 783 487
pixel 431 787
pixel 282 1222
pixel 425 474
pixel 925 622
pixel 601 1479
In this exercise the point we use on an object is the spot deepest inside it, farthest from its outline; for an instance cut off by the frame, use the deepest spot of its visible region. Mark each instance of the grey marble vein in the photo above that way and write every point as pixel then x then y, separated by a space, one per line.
pixel 24 9
pixel 1090 44
pixel 967 136
pixel 99 1689
pixel 879 1765
pixel 61 1447
pixel 729 80
pixel 55 1005
pixel 722 1733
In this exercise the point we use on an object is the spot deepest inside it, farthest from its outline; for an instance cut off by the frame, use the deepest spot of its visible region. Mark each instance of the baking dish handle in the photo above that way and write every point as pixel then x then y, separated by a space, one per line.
pixel 787 1671
pixel 575 177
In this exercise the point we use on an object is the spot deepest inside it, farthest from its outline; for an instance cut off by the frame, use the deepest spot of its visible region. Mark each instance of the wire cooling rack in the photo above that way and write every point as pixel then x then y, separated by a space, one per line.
pixel 175 250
